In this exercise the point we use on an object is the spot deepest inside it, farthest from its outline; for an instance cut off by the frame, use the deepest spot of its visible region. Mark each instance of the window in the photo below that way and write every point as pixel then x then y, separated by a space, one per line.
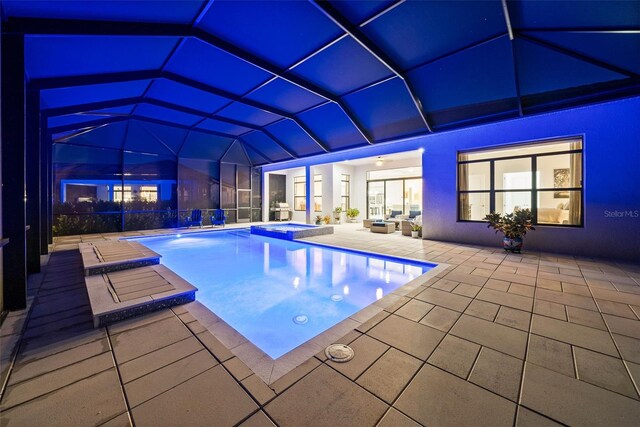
pixel 345 191
pixel 119 195
pixel 149 193
pixel 317 193
pixel 544 177
pixel 299 193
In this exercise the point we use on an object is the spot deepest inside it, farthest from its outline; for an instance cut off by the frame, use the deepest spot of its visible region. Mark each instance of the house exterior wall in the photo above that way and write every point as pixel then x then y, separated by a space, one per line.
pixel 611 133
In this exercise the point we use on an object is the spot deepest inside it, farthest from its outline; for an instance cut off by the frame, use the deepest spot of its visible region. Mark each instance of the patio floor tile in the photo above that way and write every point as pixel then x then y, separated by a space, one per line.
pixel 514 318
pixel 527 418
pixel 38 386
pixel 623 326
pixel 436 395
pixel 326 398
pixel 25 369
pixel 498 372
pixel 136 342
pixel 455 355
pixel 550 309
pixel 157 382
pixel 395 418
pixel 413 338
pixel 604 371
pixel 150 362
pixel 259 419
pixel 366 351
pixel 584 317
pixel 575 402
pixel 551 354
pixel 211 398
pixel 389 375
pixel 629 347
pixel 571 333
pixel 441 318
pixel 482 309
pixel 414 310
pixel 445 299
pixel 504 298
pixel 89 408
pixel 493 335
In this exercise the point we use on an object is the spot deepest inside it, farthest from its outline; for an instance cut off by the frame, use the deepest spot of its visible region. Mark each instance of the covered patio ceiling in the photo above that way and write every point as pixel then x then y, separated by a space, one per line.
pixel 299 78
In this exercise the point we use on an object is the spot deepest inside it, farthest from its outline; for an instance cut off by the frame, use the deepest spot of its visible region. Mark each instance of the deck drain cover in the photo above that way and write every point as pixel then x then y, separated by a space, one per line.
pixel 300 319
pixel 339 353
pixel 336 297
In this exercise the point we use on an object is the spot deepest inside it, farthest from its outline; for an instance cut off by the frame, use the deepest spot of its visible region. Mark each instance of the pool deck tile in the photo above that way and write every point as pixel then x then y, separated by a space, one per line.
pixel 326 398
pixel 563 328
pixel 390 374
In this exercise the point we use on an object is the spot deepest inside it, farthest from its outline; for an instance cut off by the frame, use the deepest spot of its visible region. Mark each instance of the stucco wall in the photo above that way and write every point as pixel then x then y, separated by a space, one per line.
pixel 611 134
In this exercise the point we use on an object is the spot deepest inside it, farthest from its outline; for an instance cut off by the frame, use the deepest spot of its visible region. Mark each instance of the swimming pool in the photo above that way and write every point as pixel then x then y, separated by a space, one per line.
pixel 278 293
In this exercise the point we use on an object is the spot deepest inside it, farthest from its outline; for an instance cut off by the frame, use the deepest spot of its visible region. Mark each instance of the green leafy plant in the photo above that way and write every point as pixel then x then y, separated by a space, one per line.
pixel 513 225
pixel 338 210
pixel 415 226
pixel 353 212
pixel 318 219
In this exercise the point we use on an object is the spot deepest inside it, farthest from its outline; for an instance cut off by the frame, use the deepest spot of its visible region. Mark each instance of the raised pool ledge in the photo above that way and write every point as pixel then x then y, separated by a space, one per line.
pixel 119 295
pixel 291 231
pixel 115 255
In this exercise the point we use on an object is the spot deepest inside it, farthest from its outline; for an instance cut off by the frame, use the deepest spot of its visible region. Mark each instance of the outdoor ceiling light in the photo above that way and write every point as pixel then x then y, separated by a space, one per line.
pixel 379 161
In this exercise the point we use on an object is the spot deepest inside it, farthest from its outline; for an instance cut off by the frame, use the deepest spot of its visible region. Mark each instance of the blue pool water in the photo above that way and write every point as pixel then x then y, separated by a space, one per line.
pixel 280 293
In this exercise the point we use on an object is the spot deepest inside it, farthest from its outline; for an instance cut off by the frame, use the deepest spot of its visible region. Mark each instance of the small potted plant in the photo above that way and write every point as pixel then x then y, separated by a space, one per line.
pixel 337 213
pixel 416 228
pixel 318 219
pixel 352 214
pixel 514 226
pixel 326 219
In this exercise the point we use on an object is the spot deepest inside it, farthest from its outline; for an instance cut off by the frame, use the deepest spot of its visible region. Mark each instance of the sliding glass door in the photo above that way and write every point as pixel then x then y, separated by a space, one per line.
pixel 391 197
pixel 375 199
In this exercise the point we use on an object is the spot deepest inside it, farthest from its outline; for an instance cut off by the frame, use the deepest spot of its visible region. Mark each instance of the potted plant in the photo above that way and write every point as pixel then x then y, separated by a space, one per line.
pixel 352 214
pixel 318 219
pixel 514 226
pixel 416 228
pixel 326 219
pixel 337 212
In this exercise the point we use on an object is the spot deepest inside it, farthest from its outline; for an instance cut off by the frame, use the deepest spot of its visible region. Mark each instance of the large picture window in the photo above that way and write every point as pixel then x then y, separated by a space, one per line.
pixel 544 177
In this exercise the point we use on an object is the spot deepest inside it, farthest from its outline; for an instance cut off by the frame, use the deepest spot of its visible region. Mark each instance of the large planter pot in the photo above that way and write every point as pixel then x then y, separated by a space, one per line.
pixel 415 234
pixel 512 245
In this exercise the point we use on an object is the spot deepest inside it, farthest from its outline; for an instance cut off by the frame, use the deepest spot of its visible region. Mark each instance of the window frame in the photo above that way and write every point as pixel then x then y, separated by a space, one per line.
pixel 301 179
pixel 534 190
pixel 345 199
pixel 317 178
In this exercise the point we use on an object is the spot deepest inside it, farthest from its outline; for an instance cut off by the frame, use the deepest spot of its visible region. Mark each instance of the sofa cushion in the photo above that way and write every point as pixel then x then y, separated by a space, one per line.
pixel 413 214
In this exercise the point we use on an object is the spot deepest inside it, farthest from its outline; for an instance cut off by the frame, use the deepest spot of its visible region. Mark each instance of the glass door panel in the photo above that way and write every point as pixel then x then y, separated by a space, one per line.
pixel 375 199
pixel 393 198
pixel 413 197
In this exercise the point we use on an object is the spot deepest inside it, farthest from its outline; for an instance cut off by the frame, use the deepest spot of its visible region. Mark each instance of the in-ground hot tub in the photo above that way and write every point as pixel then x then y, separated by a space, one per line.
pixel 291 231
